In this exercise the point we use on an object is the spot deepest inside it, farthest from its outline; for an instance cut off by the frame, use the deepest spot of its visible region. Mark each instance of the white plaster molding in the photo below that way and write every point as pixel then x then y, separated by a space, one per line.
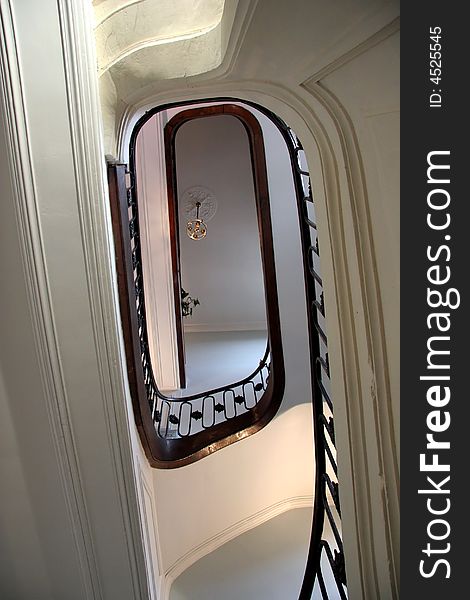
pixel 236 20
pixel 351 54
pixel 228 534
pixel 146 244
pixel 203 195
pixel 40 305
pixel 245 10
pixel 378 403
pixel 150 533
pixel 240 13
pixel 376 17
pixel 152 42
pixel 100 10
pixel 91 183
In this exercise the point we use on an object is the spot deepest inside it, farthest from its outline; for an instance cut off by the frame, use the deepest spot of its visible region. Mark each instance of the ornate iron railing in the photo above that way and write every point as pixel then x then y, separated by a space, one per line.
pixel 179 417
pixel 325 574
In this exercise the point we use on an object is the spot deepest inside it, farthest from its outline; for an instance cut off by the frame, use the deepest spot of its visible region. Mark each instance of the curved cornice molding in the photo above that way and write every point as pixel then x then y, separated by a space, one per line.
pixel 107 8
pixel 131 27
pixel 228 534
pixel 381 35
pixel 133 50
pixel 228 35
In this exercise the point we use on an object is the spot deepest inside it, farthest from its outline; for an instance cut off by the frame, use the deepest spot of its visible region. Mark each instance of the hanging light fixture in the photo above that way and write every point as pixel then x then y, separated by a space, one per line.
pixel 196 229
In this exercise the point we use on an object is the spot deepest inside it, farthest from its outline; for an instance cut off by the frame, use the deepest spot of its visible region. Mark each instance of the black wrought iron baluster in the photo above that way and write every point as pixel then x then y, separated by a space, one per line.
pixel 320 552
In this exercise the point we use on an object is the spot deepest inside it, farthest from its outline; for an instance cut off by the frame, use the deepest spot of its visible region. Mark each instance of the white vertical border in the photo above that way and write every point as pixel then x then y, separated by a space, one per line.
pixel 156 252
pixel 150 532
pixel 20 166
pixel 76 22
pixel 90 178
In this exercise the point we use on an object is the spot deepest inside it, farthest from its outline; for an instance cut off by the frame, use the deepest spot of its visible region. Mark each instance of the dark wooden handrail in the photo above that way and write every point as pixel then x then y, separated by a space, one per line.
pixel 325 572
pixel 236 410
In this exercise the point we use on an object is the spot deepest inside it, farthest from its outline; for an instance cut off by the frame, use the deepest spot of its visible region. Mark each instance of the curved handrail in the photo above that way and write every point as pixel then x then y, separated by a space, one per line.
pixel 227 403
pixel 325 561
pixel 224 415
pixel 222 396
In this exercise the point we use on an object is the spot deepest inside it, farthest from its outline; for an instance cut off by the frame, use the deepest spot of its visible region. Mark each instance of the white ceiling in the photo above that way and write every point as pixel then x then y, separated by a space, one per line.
pixel 132 32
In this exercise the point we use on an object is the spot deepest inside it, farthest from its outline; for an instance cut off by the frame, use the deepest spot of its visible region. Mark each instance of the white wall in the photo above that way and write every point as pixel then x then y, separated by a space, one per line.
pixel 370 94
pixel 34 526
pixel 156 252
pixel 266 563
pixel 224 269
pixel 202 505
pixel 365 90
pixel 69 513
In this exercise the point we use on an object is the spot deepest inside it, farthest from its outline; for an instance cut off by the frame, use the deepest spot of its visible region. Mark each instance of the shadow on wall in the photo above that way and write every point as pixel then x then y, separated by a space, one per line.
pixel 266 563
